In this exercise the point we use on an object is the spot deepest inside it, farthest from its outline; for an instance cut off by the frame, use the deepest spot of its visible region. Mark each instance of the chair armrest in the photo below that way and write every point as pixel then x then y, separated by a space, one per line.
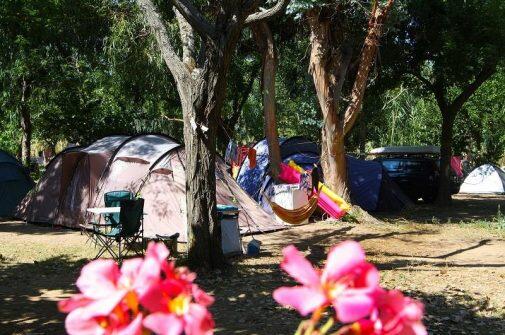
pixel 95 224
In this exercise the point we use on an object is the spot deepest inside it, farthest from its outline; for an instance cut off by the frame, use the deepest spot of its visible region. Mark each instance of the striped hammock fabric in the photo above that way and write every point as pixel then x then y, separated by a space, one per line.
pixel 297 215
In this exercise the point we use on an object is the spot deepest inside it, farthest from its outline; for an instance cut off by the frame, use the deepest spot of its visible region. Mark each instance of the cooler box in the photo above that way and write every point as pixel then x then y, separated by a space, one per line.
pixel 289 196
pixel 231 241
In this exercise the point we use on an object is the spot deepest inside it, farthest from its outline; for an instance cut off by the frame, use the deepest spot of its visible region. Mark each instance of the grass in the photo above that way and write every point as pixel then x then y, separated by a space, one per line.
pixel 495 224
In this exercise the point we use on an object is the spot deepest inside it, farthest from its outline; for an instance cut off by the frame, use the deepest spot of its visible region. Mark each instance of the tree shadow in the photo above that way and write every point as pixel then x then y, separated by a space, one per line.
pixel 244 305
pixel 23 228
pixel 29 293
pixel 465 208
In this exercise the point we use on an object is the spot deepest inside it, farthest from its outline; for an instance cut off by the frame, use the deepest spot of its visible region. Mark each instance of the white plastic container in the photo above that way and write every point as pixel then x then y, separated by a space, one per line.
pixel 289 196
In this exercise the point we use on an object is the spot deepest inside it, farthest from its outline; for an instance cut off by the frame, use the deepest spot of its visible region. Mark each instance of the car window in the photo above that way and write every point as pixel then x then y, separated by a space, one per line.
pixel 417 166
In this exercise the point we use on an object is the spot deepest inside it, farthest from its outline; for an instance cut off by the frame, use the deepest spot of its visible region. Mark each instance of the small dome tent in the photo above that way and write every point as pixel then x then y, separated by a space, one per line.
pixel 369 185
pixel 15 183
pixel 486 178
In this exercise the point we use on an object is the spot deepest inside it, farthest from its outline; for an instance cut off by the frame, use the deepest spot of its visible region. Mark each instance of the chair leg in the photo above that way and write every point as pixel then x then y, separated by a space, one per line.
pixel 120 258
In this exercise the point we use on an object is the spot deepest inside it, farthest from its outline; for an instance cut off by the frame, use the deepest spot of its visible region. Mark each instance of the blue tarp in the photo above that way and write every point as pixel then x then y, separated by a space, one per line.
pixel 14 184
pixel 365 177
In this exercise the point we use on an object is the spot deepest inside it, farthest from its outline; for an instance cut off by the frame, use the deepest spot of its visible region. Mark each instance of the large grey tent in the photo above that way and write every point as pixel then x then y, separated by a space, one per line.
pixel 15 182
pixel 150 165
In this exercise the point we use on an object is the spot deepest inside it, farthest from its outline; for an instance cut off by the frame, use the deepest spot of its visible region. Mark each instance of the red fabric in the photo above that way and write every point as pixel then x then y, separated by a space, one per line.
pixel 251 154
pixel 456 165
pixel 242 154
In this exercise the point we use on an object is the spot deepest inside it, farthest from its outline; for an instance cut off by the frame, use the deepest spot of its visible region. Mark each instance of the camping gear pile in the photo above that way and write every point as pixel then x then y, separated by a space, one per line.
pixel 369 185
pixel 151 166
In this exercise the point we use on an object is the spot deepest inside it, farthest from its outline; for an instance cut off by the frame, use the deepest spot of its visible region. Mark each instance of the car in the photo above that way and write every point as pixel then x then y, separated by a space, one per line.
pixel 417 177
pixel 416 170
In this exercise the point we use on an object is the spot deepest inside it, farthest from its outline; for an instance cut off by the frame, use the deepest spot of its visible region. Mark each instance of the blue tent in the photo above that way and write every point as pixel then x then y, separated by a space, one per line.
pixel 369 185
pixel 15 182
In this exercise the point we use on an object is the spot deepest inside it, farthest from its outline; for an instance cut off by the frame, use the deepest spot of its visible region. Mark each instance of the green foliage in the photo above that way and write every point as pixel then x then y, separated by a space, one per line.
pixel 480 129
pixel 94 70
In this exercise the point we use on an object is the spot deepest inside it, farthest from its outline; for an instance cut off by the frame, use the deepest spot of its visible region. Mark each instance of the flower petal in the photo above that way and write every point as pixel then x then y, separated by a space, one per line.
pixel 201 297
pixel 76 324
pixel 102 307
pixel 164 324
pixel 98 278
pixel 299 267
pixel 198 321
pixel 134 328
pixel 342 259
pixel 157 251
pixel 352 307
pixel 76 301
pixel 304 299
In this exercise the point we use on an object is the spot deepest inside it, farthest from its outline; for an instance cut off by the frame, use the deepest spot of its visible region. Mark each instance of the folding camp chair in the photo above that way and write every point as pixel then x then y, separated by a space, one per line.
pixel 125 234
pixel 112 199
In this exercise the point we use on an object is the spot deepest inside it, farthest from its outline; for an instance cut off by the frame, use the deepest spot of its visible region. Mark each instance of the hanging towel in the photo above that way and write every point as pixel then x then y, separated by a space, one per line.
pixel 251 154
pixel 241 154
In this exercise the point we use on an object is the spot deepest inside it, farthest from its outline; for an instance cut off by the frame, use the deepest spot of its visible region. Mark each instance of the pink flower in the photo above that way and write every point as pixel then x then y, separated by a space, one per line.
pixel 398 315
pixel 178 306
pixel 109 298
pixel 347 283
pixel 106 316
pixel 395 314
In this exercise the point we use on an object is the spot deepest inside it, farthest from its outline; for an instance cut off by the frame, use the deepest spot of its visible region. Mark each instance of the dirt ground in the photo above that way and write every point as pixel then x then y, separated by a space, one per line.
pixel 453 260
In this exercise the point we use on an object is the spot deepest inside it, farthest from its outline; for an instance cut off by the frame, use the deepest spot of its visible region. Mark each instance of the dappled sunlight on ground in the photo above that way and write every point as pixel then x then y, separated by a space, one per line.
pixel 458 270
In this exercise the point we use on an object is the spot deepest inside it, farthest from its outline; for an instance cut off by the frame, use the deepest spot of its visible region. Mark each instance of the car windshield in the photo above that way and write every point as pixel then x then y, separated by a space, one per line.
pixel 408 166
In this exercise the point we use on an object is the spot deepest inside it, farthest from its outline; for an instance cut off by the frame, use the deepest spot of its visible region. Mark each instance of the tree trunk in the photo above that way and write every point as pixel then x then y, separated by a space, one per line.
pixel 26 125
pixel 203 227
pixel 201 111
pixel 444 187
pixel 328 68
pixel 449 113
pixel 266 45
pixel 329 63
pixel 202 87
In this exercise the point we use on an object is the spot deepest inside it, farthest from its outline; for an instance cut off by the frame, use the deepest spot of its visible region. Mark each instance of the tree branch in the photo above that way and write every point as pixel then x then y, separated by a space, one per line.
pixel 422 79
pixel 195 18
pixel 153 19
pixel 487 71
pixel 375 25
pixel 279 7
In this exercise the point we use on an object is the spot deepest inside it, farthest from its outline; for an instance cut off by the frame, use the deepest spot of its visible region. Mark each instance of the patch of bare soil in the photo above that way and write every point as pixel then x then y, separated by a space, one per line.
pixel 458 271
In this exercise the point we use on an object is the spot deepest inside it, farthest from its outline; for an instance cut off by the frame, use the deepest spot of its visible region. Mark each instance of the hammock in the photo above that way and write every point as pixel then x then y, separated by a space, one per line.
pixel 297 215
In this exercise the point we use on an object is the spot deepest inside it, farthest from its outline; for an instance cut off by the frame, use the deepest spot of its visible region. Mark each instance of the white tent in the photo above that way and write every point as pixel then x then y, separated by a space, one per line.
pixel 486 178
